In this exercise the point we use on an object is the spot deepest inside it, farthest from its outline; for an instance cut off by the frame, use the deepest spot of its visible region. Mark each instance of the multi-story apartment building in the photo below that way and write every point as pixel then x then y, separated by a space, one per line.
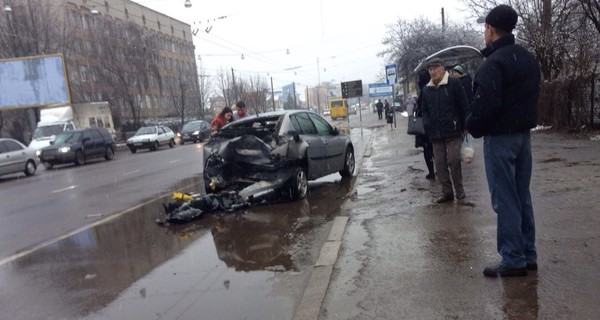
pixel 138 59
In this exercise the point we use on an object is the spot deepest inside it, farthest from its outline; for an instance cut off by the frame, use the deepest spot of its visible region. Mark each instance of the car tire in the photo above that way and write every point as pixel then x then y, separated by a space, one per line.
pixel 171 143
pixel 349 164
pixel 155 146
pixel 201 137
pixel 48 165
pixel 133 150
pixel 79 158
pixel 297 185
pixel 30 168
pixel 109 153
pixel 181 142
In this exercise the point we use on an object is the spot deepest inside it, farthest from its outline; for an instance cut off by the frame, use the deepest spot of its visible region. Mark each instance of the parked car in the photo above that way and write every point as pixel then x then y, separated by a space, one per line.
pixel 16 157
pixel 194 131
pixel 77 146
pixel 326 112
pixel 152 138
pixel 279 151
pixel 352 109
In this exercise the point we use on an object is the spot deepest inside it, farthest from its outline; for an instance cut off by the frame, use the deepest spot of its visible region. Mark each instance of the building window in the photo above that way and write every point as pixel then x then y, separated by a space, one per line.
pixel 144 19
pixel 183 34
pixel 158 23
pixel 106 6
pixel 172 30
pixel 126 14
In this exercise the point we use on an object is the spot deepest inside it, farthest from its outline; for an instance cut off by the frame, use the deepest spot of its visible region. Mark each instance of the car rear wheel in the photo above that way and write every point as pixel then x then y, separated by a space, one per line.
pixel 79 158
pixel 30 168
pixel 349 164
pixel 181 142
pixel 133 150
pixel 171 143
pixel 109 153
pixel 297 185
pixel 155 146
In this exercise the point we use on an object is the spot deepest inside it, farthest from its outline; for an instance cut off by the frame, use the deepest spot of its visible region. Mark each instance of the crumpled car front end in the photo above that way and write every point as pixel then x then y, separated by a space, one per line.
pixel 239 162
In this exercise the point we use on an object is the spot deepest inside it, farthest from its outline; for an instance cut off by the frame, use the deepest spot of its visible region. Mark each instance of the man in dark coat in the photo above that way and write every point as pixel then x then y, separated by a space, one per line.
pixel 379 107
pixel 459 72
pixel 445 108
pixel 503 112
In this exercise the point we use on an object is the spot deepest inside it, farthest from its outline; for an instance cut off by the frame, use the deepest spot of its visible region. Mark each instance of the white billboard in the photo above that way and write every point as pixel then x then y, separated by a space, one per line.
pixel 37 81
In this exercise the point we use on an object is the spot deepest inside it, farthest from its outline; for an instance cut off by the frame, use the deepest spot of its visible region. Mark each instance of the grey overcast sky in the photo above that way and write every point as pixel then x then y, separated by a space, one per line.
pixel 297 41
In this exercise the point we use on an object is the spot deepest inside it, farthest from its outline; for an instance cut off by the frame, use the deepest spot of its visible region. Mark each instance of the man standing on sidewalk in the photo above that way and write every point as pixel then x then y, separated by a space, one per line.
pixel 445 107
pixel 503 112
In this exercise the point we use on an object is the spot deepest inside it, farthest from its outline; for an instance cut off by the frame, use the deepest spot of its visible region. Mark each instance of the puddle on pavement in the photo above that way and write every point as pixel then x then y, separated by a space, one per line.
pixel 130 267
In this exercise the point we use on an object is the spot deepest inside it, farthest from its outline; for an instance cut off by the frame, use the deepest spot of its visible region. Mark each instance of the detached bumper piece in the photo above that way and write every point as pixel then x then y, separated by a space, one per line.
pixel 186 207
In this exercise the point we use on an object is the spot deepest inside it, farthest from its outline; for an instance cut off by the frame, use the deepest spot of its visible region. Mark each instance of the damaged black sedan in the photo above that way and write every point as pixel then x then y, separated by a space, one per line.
pixel 275 153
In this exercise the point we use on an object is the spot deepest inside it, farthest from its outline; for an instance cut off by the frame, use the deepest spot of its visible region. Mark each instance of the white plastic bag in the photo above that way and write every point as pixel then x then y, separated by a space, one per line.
pixel 467 148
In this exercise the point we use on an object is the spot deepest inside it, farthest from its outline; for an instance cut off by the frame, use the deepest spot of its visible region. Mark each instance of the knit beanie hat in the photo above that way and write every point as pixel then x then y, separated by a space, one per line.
pixel 502 17
pixel 459 69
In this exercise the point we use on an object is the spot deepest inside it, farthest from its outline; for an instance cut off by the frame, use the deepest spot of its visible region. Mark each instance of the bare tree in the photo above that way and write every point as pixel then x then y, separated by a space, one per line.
pixel 182 88
pixel 33 27
pixel 127 60
pixel 592 11
pixel 408 42
pixel 226 86
pixel 254 93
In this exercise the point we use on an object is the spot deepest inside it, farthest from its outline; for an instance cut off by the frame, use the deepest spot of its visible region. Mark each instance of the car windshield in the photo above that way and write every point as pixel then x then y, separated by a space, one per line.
pixel 146 130
pixel 67 137
pixel 47 131
pixel 191 126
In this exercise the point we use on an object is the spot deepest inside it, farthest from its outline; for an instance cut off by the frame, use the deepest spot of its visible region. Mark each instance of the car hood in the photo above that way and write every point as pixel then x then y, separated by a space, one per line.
pixel 142 137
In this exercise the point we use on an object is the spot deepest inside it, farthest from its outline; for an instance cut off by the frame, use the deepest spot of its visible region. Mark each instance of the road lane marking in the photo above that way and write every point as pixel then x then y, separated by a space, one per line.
pixel 65 189
pixel 174 161
pixel 131 172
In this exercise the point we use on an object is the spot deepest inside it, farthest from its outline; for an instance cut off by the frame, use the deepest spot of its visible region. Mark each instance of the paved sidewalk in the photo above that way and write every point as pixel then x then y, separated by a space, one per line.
pixel 402 256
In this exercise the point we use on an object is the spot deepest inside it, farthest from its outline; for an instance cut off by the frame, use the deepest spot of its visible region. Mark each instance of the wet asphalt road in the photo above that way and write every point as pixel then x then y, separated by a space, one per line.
pixel 402 256
pixel 245 265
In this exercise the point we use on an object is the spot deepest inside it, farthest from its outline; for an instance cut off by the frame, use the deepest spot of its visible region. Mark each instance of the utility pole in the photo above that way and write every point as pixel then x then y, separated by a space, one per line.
pixel 235 93
pixel 318 87
pixel 443 21
pixel 272 94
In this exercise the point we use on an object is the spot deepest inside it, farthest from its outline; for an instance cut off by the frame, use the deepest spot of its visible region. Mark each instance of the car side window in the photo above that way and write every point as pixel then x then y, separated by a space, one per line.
pixel 323 127
pixel 304 122
pixel 12 146
pixel 3 147
pixel 87 134
pixel 96 135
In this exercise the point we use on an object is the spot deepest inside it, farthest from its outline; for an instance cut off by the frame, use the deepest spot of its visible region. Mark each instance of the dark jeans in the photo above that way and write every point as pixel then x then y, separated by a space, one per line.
pixel 508 169
pixel 380 114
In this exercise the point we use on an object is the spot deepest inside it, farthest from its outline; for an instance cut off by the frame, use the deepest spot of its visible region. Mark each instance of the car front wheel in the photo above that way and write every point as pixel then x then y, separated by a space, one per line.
pixel 297 185
pixel 79 158
pixel 349 164
pixel 171 143
pixel 109 153
pixel 30 168
pixel 133 150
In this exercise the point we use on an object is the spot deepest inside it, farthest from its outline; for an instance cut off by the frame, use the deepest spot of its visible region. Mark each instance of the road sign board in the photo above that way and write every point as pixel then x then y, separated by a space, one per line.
pixel 391 74
pixel 352 89
pixel 380 90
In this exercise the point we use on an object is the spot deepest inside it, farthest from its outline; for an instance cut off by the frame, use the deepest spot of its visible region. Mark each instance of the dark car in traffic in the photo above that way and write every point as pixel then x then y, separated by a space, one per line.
pixel 77 146
pixel 194 131
pixel 276 151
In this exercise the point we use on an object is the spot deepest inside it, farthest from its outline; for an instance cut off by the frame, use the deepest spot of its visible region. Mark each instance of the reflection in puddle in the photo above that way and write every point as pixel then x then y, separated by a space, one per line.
pixel 138 269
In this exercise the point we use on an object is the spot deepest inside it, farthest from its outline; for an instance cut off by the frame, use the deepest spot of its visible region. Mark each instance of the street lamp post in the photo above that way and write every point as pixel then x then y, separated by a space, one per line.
pixel 318 87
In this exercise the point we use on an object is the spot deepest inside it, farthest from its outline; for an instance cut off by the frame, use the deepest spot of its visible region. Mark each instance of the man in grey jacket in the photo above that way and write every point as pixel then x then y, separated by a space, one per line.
pixel 445 108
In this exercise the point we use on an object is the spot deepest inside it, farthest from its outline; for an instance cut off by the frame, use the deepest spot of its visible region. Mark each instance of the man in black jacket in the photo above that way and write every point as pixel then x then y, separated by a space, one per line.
pixel 445 107
pixel 503 112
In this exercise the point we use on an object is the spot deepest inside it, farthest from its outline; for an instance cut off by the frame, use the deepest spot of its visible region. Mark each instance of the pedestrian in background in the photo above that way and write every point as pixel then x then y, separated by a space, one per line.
pixel 223 118
pixel 444 108
pixel 240 111
pixel 410 104
pixel 422 140
pixel 467 82
pixel 503 112
pixel 379 107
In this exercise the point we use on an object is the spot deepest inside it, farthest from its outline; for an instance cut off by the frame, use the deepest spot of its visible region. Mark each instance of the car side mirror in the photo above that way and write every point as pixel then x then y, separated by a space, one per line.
pixel 51 142
pixel 336 131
